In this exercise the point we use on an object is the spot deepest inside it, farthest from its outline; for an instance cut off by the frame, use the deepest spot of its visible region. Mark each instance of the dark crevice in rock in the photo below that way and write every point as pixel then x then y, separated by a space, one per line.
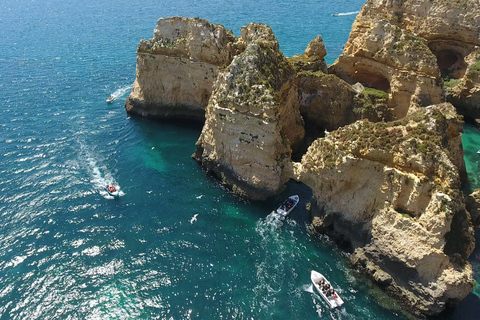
pixel 370 79
pixel 450 61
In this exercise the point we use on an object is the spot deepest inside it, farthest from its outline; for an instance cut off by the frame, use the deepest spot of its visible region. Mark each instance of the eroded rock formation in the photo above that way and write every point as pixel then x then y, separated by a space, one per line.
pixel 177 68
pixel 393 190
pixel 402 46
pixel 252 119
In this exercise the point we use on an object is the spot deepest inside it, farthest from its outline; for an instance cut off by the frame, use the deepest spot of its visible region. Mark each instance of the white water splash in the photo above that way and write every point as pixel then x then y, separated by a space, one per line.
pixel 272 221
pixel 307 288
pixel 100 176
pixel 120 92
pixel 345 13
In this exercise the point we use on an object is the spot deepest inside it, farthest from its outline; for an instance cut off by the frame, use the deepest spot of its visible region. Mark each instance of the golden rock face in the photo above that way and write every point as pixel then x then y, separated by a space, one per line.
pixel 407 47
pixel 399 183
pixel 392 188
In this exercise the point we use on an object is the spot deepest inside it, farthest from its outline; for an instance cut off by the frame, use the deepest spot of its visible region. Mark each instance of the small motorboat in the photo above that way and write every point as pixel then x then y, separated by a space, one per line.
pixel 335 14
pixel 112 191
pixel 110 99
pixel 325 290
pixel 287 206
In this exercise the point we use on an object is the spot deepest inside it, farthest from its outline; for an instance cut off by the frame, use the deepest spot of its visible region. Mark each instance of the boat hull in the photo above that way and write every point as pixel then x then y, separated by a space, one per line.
pixel 332 300
pixel 113 194
pixel 287 206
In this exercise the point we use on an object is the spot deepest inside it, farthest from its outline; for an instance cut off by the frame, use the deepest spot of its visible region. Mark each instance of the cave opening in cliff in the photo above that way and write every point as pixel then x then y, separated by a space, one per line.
pixel 312 132
pixel 451 63
pixel 372 80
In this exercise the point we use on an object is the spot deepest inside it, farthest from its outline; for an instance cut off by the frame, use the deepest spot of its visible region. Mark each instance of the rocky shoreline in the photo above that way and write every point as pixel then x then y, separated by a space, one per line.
pixel 376 135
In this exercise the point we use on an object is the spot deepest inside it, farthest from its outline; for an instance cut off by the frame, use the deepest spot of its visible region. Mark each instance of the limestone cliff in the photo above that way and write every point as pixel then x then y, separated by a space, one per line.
pixel 393 190
pixel 177 68
pixel 396 45
pixel 383 56
pixel 252 118
pixel 464 92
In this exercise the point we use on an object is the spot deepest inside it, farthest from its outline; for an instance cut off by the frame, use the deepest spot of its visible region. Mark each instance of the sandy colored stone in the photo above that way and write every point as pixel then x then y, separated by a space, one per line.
pixel 397 185
pixel 252 119
pixel 177 68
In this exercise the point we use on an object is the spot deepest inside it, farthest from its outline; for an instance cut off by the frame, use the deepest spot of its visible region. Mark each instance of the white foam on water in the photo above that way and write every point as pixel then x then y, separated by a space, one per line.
pixel 308 288
pixel 346 13
pixel 100 176
pixel 120 92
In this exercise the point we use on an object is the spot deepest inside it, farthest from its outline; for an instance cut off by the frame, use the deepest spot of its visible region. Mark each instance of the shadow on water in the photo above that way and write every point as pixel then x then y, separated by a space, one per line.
pixel 292 187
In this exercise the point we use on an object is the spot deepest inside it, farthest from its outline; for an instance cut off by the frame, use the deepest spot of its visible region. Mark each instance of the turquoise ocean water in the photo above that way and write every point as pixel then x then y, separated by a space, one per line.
pixel 176 245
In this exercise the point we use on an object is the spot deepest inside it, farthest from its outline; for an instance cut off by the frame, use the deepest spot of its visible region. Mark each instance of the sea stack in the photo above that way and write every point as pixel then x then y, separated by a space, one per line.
pixel 376 135
pixel 177 68
pixel 393 190
pixel 252 119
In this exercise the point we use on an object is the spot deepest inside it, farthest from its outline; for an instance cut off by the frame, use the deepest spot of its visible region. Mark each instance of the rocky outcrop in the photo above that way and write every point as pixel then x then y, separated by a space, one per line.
pixel 464 92
pixel 314 58
pixel 383 56
pixel 396 45
pixel 252 119
pixel 473 206
pixel 327 102
pixel 393 190
pixel 177 68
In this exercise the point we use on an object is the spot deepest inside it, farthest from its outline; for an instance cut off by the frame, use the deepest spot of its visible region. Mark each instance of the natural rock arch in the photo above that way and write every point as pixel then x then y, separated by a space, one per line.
pixel 450 59
pixel 372 79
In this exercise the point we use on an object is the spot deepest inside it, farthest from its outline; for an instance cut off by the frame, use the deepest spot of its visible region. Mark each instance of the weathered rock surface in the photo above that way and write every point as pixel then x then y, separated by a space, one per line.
pixel 393 190
pixel 464 92
pixel 252 119
pixel 314 58
pixel 473 206
pixel 177 68
pixel 327 102
pixel 381 55
pixel 394 34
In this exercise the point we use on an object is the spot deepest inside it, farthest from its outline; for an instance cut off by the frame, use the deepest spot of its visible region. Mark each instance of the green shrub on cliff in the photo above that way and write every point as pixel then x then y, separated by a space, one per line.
pixel 376 94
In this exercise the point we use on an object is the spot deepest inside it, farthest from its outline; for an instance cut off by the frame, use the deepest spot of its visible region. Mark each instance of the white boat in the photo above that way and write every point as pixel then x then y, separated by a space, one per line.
pixel 325 290
pixel 288 205
pixel 110 99
pixel 113 192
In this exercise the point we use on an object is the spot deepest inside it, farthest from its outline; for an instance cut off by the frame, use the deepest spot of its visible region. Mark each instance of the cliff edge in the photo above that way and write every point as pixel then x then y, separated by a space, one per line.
pixel 393 191
pixel 176 69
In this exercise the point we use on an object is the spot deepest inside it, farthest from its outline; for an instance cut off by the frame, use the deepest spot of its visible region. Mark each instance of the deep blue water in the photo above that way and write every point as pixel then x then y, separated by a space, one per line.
pixel 175 245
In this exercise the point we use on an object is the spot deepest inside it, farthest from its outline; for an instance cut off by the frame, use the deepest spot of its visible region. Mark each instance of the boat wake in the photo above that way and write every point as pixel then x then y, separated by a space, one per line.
pixel 100 177
pixel 273 220
pixel 308 288
pixel 120 92
pixel 346 13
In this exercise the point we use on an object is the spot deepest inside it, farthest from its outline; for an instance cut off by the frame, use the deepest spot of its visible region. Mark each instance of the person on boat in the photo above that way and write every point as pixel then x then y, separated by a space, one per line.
pixel 111 188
